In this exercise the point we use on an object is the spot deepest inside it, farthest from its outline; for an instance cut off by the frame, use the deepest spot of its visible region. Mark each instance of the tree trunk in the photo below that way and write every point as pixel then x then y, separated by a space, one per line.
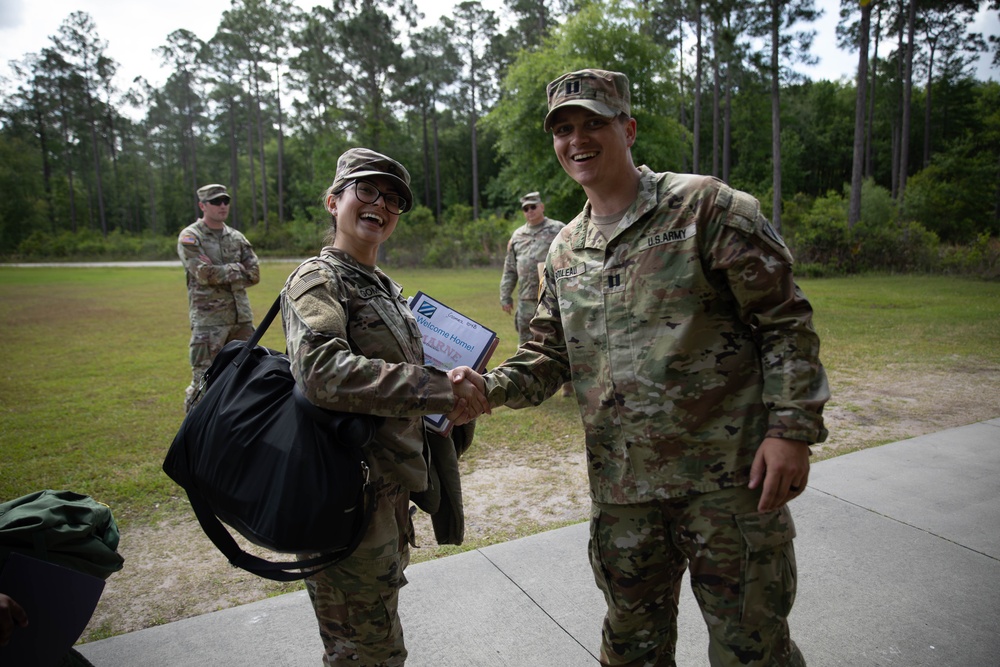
pixel 680 80
pixel 869 148
pixel 192 145
pixel 253 175
pixel 475 153
pixel 437 167
pixel 96 155
pixel 904 135
pixel 427 154
pixel 260 148
pixel 281 157
pixel 99 180
pixel 151 189
pixel 46 165
pixel 775 116
pixel 854 210
pixel 927 107
pixel 695 155
pixel 727 123
pixel 715 98
pixel 68 159
pixel 234 166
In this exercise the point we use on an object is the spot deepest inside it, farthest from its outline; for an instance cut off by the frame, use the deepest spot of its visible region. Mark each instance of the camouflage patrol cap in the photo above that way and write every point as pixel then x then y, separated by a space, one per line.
pixel 531 198
pixel 209 192
pixel 603 92
pixel 360 162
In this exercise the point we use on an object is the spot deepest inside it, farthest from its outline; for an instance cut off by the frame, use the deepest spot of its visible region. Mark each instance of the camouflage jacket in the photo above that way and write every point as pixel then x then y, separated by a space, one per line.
pixel 217 292
pixel 354 346
pixel 527 249
pixel 686 337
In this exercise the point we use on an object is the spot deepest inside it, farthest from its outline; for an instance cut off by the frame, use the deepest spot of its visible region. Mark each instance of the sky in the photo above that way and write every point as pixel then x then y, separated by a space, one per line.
pixel 133 29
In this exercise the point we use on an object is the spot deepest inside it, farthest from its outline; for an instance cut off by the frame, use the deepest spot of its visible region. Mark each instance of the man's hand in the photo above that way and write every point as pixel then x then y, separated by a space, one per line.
pixel 783 468
pixel 470 394
pixel 507 307
pixel 11 615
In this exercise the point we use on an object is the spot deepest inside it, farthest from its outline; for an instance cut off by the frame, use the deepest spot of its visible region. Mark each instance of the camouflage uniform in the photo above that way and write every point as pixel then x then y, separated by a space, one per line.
pixel 688 343
pixel 527 249
pixel 217 297
pixel 355 347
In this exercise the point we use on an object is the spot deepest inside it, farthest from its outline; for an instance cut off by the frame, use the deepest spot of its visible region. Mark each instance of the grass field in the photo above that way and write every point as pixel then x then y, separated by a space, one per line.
pixel 92 392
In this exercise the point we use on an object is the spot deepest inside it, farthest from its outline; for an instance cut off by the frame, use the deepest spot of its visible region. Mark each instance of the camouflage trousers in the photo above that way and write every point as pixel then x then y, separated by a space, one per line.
pixel 522 318
pixel 743 576
pixel 356 601
pixel 206 342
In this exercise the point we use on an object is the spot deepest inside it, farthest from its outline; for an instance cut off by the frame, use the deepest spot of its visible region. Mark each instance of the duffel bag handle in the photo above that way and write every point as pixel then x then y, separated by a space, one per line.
pixel 274 570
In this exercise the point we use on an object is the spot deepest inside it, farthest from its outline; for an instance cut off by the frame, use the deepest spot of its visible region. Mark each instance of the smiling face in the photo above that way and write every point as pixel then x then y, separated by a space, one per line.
pixel 362 227
pixel 594 149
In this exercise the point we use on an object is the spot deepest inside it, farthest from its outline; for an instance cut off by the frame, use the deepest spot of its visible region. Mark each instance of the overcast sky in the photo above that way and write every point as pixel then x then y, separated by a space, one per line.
pixel 133 29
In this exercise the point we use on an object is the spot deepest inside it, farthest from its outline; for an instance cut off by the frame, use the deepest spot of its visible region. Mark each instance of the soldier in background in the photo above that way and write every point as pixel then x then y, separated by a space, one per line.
pixel 220 265
pixel 670 302
pixel 526 252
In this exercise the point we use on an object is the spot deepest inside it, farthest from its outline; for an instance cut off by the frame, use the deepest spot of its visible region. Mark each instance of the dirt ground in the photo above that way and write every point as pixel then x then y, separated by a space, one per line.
pixel 173 571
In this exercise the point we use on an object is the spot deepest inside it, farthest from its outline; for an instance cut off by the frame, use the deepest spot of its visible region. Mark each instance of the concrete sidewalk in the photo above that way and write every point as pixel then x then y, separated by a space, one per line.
pixel 899 564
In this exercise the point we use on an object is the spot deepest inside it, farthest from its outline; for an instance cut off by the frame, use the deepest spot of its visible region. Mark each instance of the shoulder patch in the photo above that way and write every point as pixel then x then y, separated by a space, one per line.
pixel 745 205
pixel 189 239
pixel 305 282
pixel 743 209
pixel 737 202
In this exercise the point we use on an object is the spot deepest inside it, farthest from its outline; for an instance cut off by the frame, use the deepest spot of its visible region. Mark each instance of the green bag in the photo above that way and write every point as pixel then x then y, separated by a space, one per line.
pixel 61 527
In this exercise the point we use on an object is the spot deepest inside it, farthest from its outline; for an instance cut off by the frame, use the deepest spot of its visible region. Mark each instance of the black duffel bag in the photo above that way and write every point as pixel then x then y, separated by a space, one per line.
pixel 285 474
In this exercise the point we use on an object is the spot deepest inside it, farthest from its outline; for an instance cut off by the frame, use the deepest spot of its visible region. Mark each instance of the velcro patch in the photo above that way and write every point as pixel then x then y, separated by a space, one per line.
pixel 304 283
pixel 744 205
pixel 189 239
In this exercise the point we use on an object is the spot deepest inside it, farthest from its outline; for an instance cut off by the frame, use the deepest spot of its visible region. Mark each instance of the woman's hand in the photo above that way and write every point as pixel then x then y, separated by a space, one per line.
pixel 470 395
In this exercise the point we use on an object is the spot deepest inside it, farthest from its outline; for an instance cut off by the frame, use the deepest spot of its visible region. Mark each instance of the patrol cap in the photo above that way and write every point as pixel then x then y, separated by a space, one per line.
pixel 603 92
pixel 361 162
pixel 531 198
pixel 210 192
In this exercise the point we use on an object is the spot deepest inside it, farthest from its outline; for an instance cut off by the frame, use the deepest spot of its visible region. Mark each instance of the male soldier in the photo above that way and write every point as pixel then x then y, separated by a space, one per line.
pixel 220 264
pixel 669 301
pixel 526 252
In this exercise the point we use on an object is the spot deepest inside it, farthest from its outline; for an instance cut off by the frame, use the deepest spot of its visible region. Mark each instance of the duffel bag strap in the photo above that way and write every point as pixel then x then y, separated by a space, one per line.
pixel 259 331
pixel 275 570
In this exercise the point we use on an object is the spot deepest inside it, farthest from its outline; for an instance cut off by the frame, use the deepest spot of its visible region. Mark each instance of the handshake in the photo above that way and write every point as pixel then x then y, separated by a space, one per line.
pixel 470 395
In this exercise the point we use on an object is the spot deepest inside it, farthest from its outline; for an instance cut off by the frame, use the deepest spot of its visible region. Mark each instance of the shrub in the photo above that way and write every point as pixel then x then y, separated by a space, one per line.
pixel 981 258
pixel 822 236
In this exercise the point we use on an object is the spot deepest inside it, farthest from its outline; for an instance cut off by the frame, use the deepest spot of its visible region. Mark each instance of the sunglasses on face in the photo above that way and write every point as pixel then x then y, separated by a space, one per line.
pixel 529 207
pixel 219 201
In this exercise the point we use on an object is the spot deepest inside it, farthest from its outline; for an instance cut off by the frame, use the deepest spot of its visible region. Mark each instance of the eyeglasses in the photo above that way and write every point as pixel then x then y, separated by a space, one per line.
pixel 529 207
pixel 219 201
pixel 369 194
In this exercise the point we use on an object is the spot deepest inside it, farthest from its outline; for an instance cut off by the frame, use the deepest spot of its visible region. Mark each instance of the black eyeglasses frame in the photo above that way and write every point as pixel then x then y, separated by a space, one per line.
pixel 395 204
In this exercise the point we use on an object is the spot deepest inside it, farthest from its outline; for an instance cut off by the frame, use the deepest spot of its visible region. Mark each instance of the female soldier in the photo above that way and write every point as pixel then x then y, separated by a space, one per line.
pixel 355 347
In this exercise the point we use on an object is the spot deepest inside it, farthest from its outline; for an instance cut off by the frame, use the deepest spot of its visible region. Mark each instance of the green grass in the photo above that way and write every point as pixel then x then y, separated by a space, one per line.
pixel 92 391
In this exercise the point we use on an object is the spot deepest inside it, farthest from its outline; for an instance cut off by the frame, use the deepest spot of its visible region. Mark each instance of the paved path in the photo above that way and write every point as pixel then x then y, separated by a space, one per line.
pixel 899 565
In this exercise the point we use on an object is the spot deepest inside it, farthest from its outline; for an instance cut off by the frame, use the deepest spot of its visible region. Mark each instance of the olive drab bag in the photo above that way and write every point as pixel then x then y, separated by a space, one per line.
pixel 61 527
pixel 287 475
